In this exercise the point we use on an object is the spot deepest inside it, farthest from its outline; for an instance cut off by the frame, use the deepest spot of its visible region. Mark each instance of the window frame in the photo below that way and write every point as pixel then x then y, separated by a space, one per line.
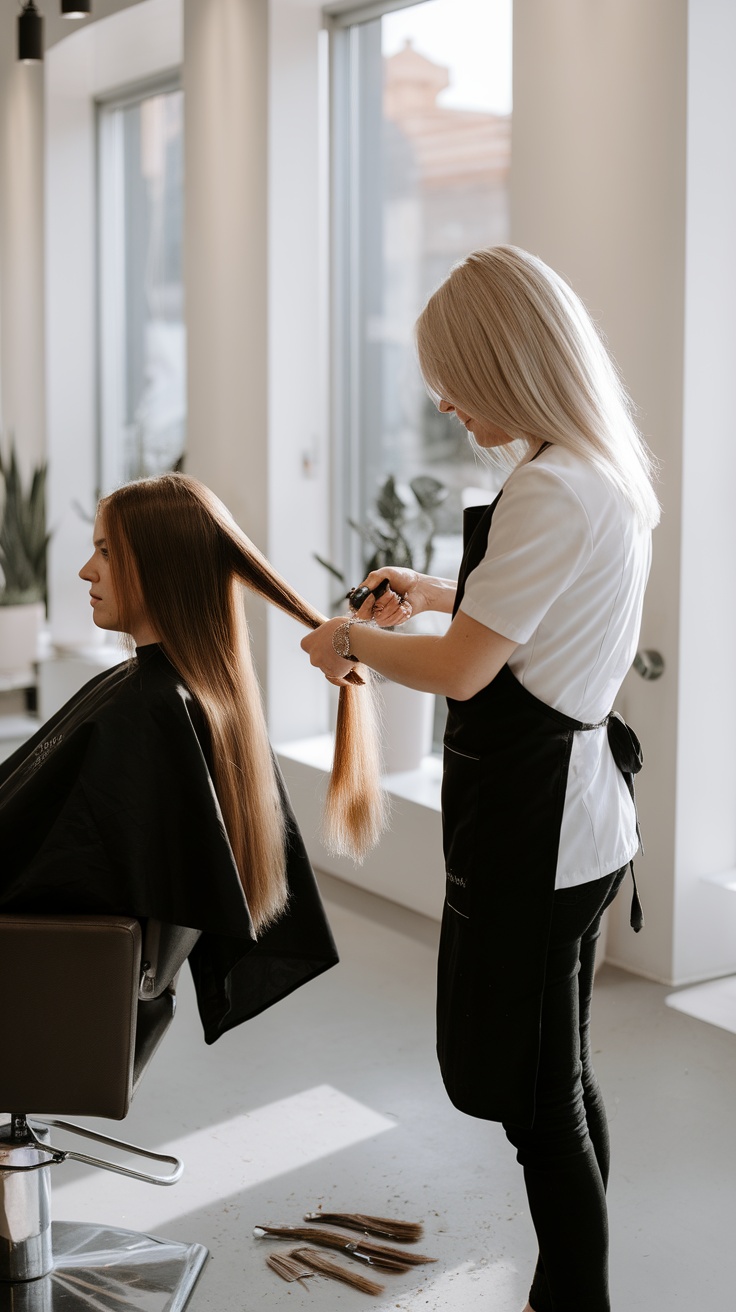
pixel 350 364
pixel 345 305
pixel 348 13
pixel 109 270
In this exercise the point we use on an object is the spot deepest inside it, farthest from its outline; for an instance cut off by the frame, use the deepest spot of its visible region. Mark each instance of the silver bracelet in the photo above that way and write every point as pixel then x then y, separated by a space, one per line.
pixel 341 638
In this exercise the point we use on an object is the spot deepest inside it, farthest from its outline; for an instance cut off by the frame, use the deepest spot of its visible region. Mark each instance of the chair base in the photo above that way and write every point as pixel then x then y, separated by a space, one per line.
pixel 98 1266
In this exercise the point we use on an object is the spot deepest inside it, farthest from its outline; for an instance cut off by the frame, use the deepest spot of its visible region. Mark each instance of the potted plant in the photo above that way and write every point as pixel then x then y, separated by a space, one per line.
pixel 23 543
pixel 401 533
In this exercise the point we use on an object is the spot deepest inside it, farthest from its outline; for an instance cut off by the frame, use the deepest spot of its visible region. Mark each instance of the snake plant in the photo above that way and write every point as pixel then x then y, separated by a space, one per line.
pixel 23 536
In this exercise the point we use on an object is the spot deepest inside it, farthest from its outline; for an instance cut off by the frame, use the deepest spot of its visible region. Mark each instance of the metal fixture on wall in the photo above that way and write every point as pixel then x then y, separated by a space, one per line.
pixel 76 8
pixel 30 34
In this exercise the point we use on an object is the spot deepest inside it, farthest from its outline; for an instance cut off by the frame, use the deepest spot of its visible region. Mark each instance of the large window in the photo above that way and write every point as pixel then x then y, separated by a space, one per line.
pixel 422 156
pixel 142 393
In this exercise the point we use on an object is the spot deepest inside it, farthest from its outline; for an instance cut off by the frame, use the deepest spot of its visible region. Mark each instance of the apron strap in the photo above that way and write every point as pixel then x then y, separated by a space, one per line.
pixel 636 915
pixel 627 753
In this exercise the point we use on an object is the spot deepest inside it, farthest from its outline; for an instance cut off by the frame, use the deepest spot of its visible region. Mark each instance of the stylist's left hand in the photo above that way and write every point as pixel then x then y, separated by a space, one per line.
pixel 319 648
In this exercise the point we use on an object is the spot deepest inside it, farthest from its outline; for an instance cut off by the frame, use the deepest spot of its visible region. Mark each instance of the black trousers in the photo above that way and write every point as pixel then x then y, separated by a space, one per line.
pixel 565 1154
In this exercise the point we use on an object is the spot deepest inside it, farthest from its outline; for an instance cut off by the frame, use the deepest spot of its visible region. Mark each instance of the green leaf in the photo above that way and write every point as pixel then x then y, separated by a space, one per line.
pixel 23 536
pixel 338 574
pixel 389 504
pixel 428 491
pixel 373 535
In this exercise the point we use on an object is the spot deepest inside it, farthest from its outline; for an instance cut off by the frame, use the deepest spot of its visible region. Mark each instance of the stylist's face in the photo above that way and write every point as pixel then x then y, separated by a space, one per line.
pixel 485 433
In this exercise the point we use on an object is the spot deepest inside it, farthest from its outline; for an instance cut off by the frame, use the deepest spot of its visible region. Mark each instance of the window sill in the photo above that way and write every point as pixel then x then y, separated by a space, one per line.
pixel 421 786
pixel 14 731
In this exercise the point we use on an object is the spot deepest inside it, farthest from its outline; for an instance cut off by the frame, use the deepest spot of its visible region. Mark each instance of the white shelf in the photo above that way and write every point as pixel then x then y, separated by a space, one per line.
pixel 14 731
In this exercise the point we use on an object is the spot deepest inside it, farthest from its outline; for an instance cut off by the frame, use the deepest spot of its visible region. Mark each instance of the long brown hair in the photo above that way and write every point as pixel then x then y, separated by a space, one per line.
pixel 176 547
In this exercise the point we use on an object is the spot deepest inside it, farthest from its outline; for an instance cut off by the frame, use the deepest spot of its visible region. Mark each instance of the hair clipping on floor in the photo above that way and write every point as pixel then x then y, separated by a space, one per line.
pixel 288 1267
pixel 323 1266
pixel 378 1255
pixel 384 1227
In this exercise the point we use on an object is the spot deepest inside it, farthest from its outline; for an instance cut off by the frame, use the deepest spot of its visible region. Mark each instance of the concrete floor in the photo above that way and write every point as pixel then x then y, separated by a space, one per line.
pixel 333 1099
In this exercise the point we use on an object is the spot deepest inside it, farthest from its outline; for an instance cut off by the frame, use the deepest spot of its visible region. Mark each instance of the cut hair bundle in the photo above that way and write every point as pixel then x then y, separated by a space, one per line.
pixel 378 1255
pixel 288 1267
pixel 384 1227
pixel 323 1266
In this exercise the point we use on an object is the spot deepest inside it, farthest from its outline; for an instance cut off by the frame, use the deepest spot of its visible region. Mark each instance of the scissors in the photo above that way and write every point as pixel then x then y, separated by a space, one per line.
pixel 357 596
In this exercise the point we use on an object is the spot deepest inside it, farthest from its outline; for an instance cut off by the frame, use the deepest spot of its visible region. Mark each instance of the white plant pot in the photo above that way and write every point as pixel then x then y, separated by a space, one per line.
pixel 407 723
pixel 20 627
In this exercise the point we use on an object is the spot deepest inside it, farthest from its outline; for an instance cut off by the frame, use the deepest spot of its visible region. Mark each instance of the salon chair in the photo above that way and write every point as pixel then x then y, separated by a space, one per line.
pixel 86 1003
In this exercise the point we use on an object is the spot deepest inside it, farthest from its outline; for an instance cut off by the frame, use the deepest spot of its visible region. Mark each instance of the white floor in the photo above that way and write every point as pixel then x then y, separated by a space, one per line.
pixel 333 1099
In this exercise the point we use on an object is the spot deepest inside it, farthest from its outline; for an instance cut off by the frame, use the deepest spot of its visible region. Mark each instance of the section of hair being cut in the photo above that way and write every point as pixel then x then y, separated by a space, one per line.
pixel 175 546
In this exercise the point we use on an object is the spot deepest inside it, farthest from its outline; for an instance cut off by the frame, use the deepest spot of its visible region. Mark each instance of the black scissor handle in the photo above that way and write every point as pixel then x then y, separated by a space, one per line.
pixel 357 596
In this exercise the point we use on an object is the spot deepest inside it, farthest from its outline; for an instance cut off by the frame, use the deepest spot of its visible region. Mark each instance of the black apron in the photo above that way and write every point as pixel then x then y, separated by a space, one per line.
pixel 506 762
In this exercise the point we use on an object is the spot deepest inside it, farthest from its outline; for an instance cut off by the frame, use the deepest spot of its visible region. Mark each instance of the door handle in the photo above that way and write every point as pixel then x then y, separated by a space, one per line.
pixel 649 664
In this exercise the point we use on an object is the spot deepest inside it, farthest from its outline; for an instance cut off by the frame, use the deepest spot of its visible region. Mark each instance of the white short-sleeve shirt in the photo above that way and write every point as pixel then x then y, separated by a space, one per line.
pixel 564 576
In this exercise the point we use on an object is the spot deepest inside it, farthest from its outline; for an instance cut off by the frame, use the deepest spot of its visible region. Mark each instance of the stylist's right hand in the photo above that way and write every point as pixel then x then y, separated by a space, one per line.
pixel 401 600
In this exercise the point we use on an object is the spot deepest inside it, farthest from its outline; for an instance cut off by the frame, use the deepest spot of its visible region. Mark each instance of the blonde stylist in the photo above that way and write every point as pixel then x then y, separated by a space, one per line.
pixel 538 812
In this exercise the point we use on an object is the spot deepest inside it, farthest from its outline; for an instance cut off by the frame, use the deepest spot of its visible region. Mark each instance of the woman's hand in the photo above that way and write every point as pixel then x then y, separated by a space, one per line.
pixel 457 664
pixel 402 599
pixel 319 648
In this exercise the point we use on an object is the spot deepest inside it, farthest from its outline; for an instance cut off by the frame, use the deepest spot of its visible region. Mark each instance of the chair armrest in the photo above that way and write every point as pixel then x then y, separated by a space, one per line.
pixel 165 949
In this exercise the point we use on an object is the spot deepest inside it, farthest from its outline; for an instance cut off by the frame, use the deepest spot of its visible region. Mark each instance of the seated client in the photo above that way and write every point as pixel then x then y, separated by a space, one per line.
pixel 154 791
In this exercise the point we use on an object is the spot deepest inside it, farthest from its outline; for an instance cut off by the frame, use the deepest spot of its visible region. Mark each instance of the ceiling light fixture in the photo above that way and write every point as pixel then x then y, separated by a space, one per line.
pixel 76 8
pixel 30 34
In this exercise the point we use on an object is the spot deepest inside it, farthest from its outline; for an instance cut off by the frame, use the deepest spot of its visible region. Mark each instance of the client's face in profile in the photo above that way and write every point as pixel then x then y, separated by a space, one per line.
pixel 105 607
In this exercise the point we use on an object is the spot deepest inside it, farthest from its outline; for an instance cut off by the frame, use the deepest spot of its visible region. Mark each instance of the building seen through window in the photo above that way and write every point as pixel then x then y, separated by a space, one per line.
pixel 428 161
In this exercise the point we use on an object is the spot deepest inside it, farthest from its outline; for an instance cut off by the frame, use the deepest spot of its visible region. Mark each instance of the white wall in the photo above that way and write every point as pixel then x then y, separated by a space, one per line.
pixel 225 80
pixel 705 817
pixel 598 190
pixel 619 141
pixel 22 366
pixel 299 511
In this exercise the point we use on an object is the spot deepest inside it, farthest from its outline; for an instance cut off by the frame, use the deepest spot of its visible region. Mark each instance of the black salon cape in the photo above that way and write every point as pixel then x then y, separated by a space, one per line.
pixel 110 809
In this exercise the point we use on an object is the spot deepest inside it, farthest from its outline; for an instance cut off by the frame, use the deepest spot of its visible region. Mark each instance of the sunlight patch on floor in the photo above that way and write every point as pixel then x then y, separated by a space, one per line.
pixel 225 1159
pixel 714 1002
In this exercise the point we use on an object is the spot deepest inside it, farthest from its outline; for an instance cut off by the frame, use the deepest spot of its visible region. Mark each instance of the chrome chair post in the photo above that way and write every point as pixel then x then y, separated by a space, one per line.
pixel 25 1203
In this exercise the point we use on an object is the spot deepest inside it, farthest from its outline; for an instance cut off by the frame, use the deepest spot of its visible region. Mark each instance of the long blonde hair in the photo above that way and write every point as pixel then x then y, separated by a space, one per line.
pixel 507 340
pixel 175 546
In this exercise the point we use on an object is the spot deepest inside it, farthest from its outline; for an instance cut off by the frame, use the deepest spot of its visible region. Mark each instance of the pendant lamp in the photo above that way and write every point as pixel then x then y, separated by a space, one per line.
pixel 30 34
pixel 76 8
